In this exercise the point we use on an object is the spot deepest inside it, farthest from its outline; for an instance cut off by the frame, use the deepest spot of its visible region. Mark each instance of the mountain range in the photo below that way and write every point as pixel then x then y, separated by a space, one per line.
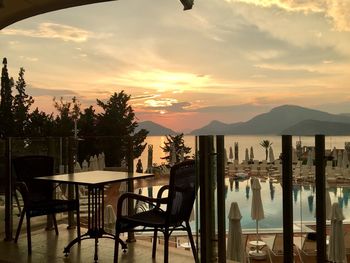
pixel 154 129
pixel 286 119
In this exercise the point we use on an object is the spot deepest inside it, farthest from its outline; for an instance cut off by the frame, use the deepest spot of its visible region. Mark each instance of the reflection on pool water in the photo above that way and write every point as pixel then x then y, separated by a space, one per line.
pixel 304 205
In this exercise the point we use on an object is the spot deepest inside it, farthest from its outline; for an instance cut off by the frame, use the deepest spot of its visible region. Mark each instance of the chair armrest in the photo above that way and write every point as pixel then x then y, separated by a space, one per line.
pixel 161 190
pixel 138 197
pixel 23 189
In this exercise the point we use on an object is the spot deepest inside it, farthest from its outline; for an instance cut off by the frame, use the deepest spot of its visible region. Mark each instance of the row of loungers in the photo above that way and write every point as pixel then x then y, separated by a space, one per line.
pixel 304 247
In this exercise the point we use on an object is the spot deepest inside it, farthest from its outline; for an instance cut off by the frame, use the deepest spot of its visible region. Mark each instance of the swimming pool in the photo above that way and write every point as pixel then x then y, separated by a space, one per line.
pixel 304 202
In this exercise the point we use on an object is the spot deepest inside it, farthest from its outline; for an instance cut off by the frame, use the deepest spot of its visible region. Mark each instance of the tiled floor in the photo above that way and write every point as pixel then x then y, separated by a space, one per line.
pixel 47 247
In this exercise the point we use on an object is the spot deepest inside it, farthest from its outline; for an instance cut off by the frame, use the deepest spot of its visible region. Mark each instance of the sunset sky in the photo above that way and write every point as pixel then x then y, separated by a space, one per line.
pixel 224 60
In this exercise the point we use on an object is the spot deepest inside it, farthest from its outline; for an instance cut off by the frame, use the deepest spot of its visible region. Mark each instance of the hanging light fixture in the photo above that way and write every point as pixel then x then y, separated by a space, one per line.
pixel 187 4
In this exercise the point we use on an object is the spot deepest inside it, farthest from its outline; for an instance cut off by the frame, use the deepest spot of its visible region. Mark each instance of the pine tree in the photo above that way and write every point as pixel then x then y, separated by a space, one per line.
pixel 118 120
pixel 179 144
pixel 21 103
pixel 6 100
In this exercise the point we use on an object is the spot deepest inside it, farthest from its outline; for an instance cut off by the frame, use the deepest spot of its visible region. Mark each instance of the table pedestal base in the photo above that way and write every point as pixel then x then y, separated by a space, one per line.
pixel 257 254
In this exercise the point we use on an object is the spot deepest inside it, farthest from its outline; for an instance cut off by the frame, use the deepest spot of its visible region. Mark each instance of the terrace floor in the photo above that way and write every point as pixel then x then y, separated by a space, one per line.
pixel 47 247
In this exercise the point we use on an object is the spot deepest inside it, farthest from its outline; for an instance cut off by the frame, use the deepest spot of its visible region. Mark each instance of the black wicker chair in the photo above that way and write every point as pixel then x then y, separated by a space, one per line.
pixel 38 196
pixel 182 192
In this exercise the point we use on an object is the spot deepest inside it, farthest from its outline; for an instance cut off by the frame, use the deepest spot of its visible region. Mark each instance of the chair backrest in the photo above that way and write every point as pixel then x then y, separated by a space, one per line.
pixel 28 167
pixel 182 192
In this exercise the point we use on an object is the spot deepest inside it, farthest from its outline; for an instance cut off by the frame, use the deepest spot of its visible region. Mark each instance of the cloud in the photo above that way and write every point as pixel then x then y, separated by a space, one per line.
pixel 37 92
pixel 335 10
pixel 52 31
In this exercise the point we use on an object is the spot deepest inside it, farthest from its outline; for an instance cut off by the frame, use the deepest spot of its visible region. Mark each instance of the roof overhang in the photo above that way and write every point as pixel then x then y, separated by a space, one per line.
pixel 12 11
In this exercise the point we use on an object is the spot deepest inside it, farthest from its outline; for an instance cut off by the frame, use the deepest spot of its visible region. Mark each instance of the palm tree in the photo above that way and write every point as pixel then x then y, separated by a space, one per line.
pixel 266 144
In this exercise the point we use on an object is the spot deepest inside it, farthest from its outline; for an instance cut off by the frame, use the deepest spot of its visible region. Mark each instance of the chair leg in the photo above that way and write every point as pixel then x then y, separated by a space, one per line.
pixel 78 223
pixel 193 247
pixel 19 226
pixel 55 223
pixel 29 237
pixel 155 239
pixel 166 245
pixel 116 247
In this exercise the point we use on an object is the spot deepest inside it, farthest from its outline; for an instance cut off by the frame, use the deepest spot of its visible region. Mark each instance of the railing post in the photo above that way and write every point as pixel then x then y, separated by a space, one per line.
pixel 70 163
pixel 131 235
pixel 206 206
pixel 8 192
pixel 320 198
pixel 287 186
pixel 220 173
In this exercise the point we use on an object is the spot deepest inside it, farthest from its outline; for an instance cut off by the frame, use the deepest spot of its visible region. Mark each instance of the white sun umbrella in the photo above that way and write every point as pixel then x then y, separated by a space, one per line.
pixel 294 155
pixel 345 160
pixel 110 218
pixel 340 159
pixel 84 166
pixel 257 210
pixel 271 155
pixel 225 157
pixel 336 252
pixel 309 162
pixel 101 161
pixel 77 167
pixel 251 156
pixel 91 163
pixel 328 203
pixel 246 158
pixel 334 154
pixel 123 188
pixel 235 249
pixel 231 153
pixel 150 158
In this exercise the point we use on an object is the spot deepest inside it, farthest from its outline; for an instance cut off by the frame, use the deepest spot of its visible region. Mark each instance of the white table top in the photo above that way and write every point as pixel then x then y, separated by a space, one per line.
pixel 94 177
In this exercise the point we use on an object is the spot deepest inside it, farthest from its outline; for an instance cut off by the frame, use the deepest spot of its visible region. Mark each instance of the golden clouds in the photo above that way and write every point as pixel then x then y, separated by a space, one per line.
pixel 337 11
pixel 52 31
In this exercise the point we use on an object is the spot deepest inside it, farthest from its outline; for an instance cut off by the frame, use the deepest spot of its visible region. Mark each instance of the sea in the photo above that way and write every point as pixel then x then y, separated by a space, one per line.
pixel 244 141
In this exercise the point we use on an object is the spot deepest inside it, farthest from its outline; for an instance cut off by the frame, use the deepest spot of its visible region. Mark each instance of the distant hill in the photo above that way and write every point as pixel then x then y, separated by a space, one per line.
pixel 276 121
pixel 154 128
pixel 312 127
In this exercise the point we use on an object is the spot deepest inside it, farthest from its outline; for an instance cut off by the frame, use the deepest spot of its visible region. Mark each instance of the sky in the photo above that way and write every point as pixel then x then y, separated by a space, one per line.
pixel 225 60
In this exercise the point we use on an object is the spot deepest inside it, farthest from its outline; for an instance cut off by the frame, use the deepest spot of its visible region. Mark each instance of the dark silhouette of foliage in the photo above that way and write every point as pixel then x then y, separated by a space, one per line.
pixel 21 105
pixel 68 112
pixel 40 124
pixel 6 100
pixel 178 142
pixel 118 120
pixel 266 144
pixel 88 142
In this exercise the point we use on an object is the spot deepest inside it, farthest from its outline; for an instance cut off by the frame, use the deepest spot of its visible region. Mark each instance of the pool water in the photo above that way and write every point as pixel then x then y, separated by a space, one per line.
pixel 304 202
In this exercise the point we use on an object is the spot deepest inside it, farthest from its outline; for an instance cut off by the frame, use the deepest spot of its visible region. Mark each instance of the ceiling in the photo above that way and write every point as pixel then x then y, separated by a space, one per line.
pixel 12 11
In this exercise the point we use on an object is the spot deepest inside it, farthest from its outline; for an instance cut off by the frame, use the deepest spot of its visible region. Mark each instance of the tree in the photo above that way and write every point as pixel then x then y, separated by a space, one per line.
pixel 266 144
pixel 178 142
pixel 88 143
pixel 40 124
pixel 68 113
pixel 21 105
pixel 6 100
pixel 118 122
